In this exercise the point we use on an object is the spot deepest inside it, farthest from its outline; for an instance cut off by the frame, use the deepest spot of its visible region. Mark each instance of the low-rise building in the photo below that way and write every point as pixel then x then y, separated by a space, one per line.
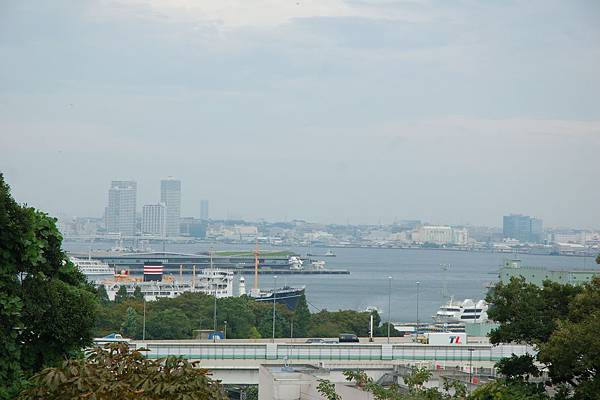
pixel 300 382
pixel 537 275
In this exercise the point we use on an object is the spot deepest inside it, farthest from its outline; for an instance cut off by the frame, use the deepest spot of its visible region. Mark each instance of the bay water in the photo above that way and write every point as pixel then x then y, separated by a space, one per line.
pixel 367 285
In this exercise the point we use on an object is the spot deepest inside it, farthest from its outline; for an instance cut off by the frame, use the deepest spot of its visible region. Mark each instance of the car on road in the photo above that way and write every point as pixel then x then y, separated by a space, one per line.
pixel 315 340
pixel 348 338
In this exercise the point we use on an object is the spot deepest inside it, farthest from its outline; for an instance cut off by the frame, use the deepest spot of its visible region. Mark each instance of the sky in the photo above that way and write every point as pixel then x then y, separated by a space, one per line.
pixel 334 111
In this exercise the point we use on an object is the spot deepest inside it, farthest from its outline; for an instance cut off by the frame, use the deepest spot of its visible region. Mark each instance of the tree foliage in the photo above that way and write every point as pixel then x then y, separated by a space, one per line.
pixel 46 306
pixel 116 372
pixel 528 313
pixel 301 318
pixel 562 322
pixel 416 387
pixel 509 390
pixel 121 295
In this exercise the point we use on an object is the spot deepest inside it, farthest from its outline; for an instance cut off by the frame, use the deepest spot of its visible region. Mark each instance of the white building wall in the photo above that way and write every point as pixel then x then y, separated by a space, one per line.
pixel 153 219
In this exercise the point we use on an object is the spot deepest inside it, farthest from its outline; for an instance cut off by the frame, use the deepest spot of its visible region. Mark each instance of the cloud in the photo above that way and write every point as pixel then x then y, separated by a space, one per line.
pixel 232 14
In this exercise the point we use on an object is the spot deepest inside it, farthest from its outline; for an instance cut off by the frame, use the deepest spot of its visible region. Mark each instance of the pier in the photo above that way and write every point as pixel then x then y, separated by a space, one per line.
pixel 248 271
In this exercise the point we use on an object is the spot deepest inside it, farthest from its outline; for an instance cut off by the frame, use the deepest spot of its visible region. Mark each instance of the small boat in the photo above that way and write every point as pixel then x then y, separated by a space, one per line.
pixel 329 253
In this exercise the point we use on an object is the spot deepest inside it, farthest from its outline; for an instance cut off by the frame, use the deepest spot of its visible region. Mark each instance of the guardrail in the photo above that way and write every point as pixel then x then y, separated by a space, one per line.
pixel 332 352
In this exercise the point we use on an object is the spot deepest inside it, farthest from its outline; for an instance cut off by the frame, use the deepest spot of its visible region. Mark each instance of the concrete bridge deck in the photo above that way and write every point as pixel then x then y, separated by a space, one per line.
pixel 237 362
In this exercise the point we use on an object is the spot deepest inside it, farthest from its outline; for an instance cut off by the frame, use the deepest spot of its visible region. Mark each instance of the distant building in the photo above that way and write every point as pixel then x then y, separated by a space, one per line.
pixel 537 275
pixel 193 227
pixel 154 219
pixel 460 236
pixel 170 195
pixel 433 234
pixel 204 210
pixel 120 214
pixel 523 228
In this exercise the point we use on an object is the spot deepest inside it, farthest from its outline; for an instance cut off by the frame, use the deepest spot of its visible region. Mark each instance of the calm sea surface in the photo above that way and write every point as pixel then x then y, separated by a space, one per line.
pixel 367 284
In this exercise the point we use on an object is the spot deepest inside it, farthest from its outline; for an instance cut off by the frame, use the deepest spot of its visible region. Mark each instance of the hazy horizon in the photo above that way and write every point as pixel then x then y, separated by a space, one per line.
pixel 328 111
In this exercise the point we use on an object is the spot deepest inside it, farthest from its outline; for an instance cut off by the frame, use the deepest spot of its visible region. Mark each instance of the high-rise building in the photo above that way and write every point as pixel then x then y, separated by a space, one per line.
pixel 153 219
pixel 204 210
pixel 170 195
pixel 120 213
pixel 537 230
pixel 522 228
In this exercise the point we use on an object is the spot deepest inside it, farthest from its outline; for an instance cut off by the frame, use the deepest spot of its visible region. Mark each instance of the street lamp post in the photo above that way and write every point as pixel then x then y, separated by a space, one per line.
pixel 144 323
pixel 215 300
pixel 471 366
pixel 417 328
pixel 389 307
pixel 274 297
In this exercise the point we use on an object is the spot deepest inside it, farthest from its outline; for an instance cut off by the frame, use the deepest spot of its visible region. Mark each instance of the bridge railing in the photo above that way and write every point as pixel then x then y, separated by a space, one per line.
pixel 332 352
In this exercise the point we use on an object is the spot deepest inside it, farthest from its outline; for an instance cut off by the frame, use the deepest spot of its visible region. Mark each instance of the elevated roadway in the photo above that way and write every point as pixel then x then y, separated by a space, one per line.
pixel 237 362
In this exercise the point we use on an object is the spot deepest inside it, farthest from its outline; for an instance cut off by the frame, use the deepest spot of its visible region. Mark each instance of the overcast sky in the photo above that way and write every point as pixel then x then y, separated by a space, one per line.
pixel 359 111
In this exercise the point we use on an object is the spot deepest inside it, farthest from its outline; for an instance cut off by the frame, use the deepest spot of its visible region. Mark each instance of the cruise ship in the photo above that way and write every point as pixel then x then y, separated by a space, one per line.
pixel 153 285
pixel 94 270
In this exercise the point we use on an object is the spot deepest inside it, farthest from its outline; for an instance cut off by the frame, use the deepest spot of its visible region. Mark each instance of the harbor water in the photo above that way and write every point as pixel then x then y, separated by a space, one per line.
pixel 367 284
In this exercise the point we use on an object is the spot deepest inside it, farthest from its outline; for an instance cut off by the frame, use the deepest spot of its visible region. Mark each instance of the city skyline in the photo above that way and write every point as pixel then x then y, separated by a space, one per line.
pixel 140 207
pixel 333 111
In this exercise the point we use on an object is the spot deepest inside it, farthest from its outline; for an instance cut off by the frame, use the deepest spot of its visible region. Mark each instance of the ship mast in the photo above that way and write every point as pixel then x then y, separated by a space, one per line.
pixel 256 266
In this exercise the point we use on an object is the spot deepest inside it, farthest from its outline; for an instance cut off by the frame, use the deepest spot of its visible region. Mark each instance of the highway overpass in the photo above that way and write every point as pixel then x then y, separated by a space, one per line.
pixel 238 362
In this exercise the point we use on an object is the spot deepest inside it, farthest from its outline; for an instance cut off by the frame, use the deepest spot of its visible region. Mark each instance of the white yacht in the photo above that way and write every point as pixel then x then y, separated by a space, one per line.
pixel 295 263
pixel 94 270
pixel 467 311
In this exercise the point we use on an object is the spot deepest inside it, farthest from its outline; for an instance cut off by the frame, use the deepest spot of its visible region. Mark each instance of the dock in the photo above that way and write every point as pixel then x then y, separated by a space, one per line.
pixel 248 271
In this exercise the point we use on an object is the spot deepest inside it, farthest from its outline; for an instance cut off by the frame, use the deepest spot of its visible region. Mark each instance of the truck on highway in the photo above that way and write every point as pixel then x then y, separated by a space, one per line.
pixel 446 338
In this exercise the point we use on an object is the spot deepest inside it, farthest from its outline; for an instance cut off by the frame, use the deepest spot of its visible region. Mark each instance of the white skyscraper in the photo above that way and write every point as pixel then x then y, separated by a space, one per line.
pixel 120 212
pixel 153 219
pixel 170 195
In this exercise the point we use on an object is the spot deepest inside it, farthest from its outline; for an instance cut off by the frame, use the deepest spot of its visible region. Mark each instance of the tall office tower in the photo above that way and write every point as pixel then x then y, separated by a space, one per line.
pixel 523 228
pixel 170 194
pixel 120 212
pixel 537 230
pixel 153 219
pixel 204 210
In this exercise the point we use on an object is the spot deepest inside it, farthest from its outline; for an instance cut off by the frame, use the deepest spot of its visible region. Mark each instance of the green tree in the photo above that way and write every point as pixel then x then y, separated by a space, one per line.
pixel 254 333
pixel 121 294
pixel 168 324
pixel 382 330
pixel 563 322
pixel 102 294
pixel 415 380
pixel 131 328
pixel 137 294
pixel 572 353
pixel 116 372
pixel 508 390
pixel 301 318
pixel 46 306
pixel 528 313
pixel 518 368
pixel 327 389
pixel 331 324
